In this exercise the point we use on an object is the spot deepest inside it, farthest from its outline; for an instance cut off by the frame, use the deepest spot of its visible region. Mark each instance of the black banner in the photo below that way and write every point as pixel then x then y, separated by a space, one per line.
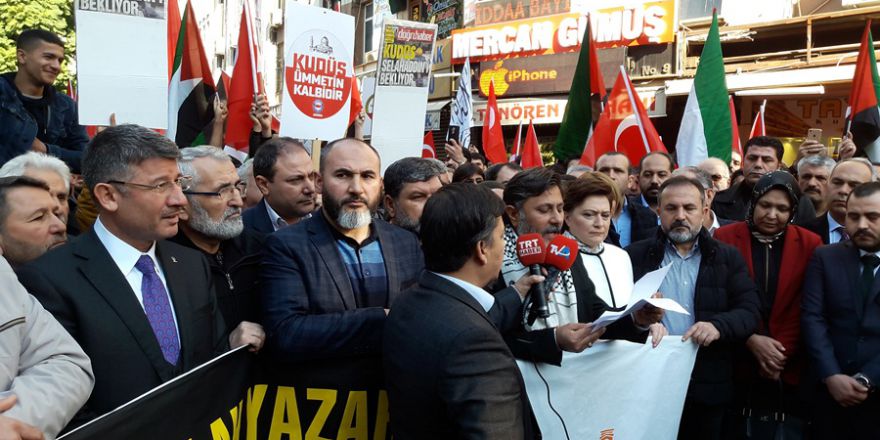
pixel 245 396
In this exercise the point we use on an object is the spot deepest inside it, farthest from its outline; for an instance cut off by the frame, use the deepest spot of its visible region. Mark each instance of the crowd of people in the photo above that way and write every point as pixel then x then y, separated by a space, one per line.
pixel 128 261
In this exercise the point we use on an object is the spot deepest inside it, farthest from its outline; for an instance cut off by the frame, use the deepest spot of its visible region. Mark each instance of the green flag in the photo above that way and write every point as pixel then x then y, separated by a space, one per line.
pixel 578 118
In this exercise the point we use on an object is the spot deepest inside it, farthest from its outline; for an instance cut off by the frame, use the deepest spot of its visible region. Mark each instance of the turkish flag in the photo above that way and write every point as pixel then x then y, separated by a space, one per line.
pixel 734 125
pixel 493 137
pixel 624 126
pixel 356 104
pixel 245 84
pixel 531 155
pixel 758 128
pixel 428 149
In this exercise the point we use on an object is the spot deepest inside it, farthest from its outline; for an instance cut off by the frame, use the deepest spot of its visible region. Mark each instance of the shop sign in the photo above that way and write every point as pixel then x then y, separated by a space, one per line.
pixel 528 76
pixel 499 11
pixel 446 14
pixel 539 111
pixel 650 22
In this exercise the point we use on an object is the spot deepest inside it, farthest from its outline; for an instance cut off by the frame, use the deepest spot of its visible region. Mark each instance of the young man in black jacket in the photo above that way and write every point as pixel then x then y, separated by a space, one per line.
pixel 710 280
pixel 33 115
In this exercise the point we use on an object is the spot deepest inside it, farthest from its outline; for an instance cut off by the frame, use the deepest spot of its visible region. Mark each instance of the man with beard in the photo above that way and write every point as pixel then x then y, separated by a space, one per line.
pixel 284 173
pixel 654 169
pixel 711 222
pixel 28 224
pixel 329 281
pixel 710 280
pixel 841 323
pixel 813 173
pixel 214 226
pixel 409 183
pixel 533 200
pixel 635 221
pixel 141 307
pixel 762 154
pixel 845 177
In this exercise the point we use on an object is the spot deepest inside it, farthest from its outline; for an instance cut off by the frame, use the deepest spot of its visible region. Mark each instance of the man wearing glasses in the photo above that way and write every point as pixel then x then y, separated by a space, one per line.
pixel 141 307
pixel 214 226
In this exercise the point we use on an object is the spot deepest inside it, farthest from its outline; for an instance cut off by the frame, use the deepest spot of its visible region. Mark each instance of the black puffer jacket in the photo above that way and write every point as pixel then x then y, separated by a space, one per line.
pixel 235 272
pixel 725 296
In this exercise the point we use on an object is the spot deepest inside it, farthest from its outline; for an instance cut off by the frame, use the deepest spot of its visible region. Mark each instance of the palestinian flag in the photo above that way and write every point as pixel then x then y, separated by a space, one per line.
pixel 706 126
pixel 863 114
pixel 577 122
pixel 191 91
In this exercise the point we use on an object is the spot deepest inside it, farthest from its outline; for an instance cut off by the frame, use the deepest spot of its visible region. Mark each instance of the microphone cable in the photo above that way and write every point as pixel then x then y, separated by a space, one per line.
pixel 550 402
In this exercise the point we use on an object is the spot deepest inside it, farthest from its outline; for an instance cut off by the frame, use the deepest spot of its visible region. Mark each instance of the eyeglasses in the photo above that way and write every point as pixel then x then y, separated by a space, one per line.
pixel 184 182
pixel 225 193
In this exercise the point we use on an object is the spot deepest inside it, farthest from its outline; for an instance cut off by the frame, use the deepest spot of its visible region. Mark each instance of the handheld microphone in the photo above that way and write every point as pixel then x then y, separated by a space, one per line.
pixel 531 253
pixel 561 255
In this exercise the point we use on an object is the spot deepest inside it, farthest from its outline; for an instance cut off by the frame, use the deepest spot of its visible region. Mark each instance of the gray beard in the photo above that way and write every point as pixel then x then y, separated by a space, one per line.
pixel 682 237
pixel 221 230
pixel 353 219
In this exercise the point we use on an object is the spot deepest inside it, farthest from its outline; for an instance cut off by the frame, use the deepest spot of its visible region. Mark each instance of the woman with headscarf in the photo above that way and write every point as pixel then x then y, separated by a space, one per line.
pixel 776 253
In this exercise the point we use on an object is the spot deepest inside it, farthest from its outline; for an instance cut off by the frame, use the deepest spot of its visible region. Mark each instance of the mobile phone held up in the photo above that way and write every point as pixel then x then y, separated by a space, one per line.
pixel 452 132
pixel 814 134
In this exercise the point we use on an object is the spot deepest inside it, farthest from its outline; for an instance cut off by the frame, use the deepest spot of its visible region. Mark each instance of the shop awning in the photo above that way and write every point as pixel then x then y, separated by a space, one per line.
pixel 777 79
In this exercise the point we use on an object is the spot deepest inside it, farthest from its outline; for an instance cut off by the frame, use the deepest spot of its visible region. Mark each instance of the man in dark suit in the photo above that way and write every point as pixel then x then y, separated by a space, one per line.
pixel 841 323
pixel 845 176
pixel 635 221
pixel 284 174
pixel 710 280
pixel 142 308
pixel 448 370
pixel 328 282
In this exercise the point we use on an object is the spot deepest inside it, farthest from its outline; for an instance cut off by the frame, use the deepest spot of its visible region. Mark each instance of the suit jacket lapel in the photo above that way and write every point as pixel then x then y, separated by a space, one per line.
pixel 855 277
pixel 175 277
pixel 325 244
pixel 101 271
pixel 446 287
pixel 390 258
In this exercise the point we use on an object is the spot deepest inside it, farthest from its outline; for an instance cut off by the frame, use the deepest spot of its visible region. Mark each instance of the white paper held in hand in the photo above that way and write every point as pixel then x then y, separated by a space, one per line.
pixel 641 296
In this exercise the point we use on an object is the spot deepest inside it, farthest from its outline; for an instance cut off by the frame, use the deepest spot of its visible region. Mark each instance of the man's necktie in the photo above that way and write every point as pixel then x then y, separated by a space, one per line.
pixel 158 309
pixel 869 263
pixel 842 231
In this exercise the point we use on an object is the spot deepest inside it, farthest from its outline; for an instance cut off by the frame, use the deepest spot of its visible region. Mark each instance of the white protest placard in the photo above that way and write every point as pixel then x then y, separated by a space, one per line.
pixel 613 390
pixel 318 71
pixel 401 98
pixel 122 62
pixel 368 92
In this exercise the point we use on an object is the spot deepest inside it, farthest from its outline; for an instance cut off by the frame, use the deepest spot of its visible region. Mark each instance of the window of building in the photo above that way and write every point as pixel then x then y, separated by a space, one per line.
pixel 368 28
pixel 689 9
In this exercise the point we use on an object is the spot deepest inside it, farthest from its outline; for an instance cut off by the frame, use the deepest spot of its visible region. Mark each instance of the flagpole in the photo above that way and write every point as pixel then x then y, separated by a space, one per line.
pixel 632 102
pixel 250 32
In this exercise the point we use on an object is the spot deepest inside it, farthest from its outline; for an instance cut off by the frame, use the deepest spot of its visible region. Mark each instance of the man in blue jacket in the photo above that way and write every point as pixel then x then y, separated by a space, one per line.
pixel 33 115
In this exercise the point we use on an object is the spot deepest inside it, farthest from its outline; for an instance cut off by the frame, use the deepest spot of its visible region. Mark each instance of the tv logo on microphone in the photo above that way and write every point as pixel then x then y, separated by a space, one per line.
pixel 560 251
pixel 529 247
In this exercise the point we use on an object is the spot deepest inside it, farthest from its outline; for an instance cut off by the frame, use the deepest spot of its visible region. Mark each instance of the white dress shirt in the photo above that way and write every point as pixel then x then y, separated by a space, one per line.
pixel 834 236
pixel 126 256
pixel 485 299
pixel 277 221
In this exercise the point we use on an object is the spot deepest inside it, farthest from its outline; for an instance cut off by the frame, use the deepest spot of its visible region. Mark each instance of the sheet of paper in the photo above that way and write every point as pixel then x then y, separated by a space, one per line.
pixel 641 296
